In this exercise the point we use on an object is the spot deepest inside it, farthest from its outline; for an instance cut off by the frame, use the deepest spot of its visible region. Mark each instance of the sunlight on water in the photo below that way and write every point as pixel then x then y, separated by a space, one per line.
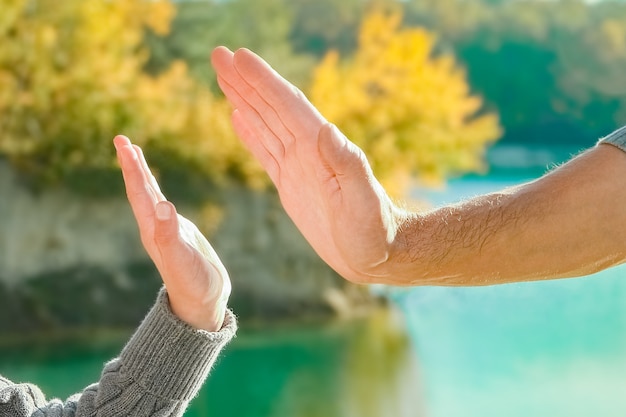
pixel 361 368
pixel 354 368
pixel 556 349
pixel 553 348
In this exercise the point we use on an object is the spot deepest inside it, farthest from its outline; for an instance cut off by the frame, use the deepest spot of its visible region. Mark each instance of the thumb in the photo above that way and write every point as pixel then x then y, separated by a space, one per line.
pixel 342 158
pixel 166 230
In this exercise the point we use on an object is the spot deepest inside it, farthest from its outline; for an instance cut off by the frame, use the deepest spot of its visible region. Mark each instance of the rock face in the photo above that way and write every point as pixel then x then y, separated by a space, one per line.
pixel 70 261
pixel 56 230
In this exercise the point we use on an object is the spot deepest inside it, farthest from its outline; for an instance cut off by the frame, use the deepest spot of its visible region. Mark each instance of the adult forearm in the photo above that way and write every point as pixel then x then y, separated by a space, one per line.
pixel 568 223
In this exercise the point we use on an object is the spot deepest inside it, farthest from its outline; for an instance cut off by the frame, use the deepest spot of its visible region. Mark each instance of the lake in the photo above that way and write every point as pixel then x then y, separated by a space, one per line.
pixel 358 367
pixel 555 348
pixel 534 349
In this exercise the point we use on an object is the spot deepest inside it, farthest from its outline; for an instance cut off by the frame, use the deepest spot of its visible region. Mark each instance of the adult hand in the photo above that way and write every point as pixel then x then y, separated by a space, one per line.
pixel 324 181
pixel 197 283
pixel 567 223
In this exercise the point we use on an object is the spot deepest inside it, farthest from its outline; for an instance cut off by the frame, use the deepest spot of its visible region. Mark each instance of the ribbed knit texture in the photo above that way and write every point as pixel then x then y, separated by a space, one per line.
pixel 159 371
pixel 617 138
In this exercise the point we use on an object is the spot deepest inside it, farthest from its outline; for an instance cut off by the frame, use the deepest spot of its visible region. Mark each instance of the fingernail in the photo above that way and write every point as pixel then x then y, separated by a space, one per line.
pixel 163 211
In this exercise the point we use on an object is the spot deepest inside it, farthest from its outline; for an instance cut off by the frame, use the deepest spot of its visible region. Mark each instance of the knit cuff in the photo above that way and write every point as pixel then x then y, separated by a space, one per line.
pixel 169 358
pixel 617 138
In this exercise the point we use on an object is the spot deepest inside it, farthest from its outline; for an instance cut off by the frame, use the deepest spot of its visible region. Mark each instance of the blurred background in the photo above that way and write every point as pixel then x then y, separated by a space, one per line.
pixel 448 98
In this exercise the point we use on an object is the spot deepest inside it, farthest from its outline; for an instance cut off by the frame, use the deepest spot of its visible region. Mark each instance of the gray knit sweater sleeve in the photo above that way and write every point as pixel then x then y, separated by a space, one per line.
pixel 617 138
pixel 158 372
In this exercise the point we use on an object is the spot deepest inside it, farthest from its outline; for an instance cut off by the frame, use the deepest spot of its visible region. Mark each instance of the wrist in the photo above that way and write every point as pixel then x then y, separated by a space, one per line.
pixel 393 255
pixel 399 266
pixel 208 315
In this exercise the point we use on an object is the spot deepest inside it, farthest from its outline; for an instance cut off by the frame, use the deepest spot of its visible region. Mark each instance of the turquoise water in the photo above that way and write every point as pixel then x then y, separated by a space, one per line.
pixel 535 349
pixel 553 348
pixel 361 367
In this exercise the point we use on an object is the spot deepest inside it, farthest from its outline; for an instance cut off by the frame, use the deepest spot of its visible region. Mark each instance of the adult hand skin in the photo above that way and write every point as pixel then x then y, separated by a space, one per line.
pixel 570 222
pixel 197 283
pixel 324 181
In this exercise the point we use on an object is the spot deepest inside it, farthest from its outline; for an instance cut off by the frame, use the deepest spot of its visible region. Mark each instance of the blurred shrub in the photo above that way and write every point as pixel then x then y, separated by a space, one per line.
pixel 411 111
pixel 71 77
pixel 261 25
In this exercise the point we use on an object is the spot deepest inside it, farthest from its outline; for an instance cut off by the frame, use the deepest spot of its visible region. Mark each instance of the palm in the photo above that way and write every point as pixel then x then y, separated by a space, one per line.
pixel 342 216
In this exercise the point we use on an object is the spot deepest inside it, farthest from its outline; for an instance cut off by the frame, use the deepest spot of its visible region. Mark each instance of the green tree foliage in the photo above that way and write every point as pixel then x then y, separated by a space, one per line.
pixel 554 70
pixel 263 26
pixel 321 25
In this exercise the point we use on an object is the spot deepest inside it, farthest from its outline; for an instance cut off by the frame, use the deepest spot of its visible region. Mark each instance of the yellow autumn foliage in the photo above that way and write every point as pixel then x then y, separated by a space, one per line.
pixel 412 112
pixel 71 77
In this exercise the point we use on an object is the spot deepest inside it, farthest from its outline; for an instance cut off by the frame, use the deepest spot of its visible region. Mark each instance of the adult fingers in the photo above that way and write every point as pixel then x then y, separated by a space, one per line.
pixel 279 103
pixel 246 98
pixel 287 101
pixel 273 135
pixel 249 138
